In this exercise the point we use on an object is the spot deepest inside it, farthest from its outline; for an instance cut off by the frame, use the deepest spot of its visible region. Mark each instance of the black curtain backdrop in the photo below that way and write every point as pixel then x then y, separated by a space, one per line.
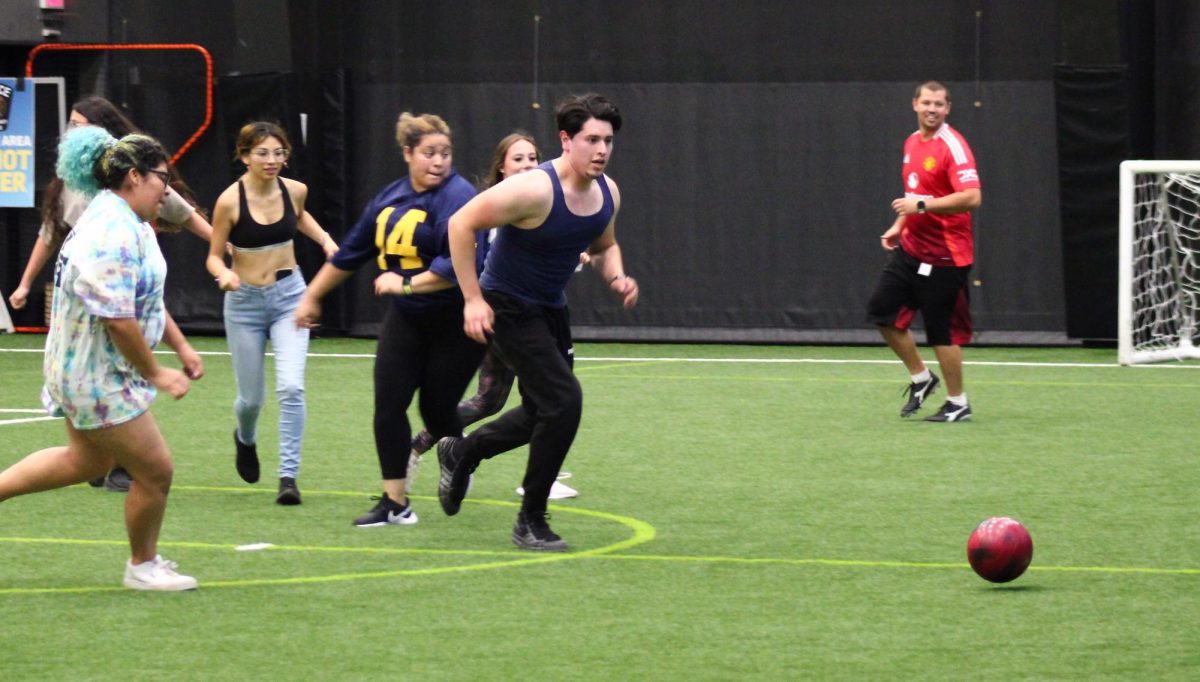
pixel 1093 139
pixel 761 149
pixel 191 295
pixel 767 227
pixel 760 153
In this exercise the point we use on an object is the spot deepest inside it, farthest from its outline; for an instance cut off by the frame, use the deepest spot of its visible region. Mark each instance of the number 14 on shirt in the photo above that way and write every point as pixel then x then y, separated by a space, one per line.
pixel 399 242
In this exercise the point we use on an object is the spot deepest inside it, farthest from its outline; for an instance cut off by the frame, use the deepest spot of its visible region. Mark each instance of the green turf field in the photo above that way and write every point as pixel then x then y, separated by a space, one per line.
pixel 744 513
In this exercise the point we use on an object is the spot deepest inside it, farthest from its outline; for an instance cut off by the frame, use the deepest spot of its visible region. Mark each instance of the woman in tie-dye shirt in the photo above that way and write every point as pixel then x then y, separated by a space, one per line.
pixel 100 369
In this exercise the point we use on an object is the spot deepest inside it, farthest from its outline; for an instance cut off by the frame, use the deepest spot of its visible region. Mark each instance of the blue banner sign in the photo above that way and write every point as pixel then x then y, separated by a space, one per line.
pixel 16 144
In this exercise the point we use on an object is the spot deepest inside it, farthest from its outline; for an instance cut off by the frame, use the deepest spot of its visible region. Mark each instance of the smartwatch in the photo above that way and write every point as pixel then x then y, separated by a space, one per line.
pixel 920 205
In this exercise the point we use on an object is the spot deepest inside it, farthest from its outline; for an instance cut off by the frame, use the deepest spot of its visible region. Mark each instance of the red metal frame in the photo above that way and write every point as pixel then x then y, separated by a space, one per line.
pixel 208 75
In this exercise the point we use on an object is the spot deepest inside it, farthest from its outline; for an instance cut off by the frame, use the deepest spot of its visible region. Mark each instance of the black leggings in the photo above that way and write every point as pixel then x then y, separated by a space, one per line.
pixel 495 383
pixel 425 351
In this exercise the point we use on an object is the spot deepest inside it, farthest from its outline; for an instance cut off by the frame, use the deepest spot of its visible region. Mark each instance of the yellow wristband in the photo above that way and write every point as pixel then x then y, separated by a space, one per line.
pixel 407 287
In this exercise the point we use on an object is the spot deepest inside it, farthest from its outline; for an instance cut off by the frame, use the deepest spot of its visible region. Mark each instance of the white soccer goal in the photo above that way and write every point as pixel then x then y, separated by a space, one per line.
pixel 1159 305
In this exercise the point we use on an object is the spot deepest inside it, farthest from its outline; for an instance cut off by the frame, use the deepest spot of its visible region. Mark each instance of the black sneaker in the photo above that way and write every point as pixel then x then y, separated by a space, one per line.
pixel 247 460
pixel 98 482
pixel 532 532
pixel 422 442
pixel 456 475
pixel 951 413
pixel 918 393
pixel 386 512
pixel 118 480
pixel 289 494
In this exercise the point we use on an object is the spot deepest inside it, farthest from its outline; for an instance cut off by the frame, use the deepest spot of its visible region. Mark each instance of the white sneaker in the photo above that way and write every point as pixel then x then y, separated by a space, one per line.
pixel 558 491
pixel 158 575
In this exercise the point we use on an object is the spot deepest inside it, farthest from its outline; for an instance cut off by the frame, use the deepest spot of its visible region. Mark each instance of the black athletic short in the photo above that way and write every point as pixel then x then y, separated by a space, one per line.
pixel 941 296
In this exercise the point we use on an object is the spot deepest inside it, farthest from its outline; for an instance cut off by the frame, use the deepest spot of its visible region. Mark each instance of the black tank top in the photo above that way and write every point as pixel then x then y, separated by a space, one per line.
pixel 247 234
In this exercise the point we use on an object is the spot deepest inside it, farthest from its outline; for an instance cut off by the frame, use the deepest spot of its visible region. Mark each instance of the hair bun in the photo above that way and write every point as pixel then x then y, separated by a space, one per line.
pixel 77 155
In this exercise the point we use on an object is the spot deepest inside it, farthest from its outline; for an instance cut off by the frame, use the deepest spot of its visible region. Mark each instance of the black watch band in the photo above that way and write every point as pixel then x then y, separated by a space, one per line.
pixel 920 205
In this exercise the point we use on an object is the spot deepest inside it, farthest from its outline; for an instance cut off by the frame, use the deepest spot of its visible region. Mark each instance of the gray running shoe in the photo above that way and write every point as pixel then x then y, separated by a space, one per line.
pixel 532 532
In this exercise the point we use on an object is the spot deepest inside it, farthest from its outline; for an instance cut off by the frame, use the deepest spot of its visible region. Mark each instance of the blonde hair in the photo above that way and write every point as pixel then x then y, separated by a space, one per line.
pixel 410 129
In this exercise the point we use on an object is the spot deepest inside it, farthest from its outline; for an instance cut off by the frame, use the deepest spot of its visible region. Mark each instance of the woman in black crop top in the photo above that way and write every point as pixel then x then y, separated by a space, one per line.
pixel 259 216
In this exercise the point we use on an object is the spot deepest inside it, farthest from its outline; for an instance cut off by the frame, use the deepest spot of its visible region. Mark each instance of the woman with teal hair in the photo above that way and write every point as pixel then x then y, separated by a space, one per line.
pixel 62 206
pixel 100 370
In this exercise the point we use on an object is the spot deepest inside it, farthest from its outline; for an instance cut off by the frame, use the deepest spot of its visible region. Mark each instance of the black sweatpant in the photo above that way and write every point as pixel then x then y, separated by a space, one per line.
pixel 429 352
pixel 535 342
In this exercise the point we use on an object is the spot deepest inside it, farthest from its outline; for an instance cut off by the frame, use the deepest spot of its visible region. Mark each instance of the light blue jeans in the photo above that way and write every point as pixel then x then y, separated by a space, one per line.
pixel 254 314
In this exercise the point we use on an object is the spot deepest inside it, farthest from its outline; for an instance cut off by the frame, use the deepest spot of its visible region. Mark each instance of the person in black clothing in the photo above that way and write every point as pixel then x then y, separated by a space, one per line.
pixel 421 345
pixel 515 153
pixel 549 215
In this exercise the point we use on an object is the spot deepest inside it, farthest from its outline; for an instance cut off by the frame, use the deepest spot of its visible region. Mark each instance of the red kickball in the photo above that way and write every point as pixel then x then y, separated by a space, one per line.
pixel 1000 549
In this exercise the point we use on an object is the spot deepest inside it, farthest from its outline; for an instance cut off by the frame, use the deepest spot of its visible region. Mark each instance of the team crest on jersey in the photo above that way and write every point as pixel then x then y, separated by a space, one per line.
pixel 929 164
pixel 912 181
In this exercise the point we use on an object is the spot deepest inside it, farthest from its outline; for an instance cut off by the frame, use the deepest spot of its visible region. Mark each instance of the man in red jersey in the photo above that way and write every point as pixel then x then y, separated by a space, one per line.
pixel 928 272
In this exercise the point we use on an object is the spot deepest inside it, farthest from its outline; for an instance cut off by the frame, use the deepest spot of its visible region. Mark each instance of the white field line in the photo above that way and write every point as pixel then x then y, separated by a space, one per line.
pixel 777 361
pixel 44 417
pixel 8 422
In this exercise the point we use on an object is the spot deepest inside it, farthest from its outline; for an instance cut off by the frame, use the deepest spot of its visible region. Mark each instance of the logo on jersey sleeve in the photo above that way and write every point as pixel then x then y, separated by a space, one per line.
pixel 968 175
pixel 912 181
pixel 929 164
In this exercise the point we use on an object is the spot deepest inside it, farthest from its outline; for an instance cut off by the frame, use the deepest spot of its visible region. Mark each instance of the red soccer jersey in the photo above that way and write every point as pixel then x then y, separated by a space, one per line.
pixel 935 168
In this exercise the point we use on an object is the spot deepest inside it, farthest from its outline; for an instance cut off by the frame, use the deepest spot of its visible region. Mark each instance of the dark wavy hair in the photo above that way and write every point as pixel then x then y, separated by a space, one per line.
pixel 102 113
pixel 575 110
pixel 255 132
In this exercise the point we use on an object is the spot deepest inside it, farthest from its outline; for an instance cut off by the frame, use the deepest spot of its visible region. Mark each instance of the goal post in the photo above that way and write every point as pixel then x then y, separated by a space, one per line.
pixel 1158 316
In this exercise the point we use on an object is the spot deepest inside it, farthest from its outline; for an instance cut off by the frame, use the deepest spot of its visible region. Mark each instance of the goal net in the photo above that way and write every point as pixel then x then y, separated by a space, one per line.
pixel 1159 303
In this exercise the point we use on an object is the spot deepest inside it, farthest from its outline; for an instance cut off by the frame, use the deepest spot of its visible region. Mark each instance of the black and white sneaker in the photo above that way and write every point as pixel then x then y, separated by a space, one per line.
pixel 455 475
pixel 918 393
pixel 951 413
pixel 387 512
pixel 532 532
pixel 247 459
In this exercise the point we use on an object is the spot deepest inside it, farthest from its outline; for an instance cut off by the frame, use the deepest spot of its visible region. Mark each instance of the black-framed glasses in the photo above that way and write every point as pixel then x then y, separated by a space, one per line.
pixel 162 175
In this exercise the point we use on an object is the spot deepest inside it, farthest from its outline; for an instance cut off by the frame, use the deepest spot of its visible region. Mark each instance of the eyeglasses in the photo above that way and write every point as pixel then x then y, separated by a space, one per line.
pixel 75 124
pixel 162 175
pixel 264 154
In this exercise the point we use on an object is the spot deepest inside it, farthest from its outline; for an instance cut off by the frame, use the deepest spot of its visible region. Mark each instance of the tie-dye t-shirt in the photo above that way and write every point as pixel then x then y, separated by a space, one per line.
pixel 109 267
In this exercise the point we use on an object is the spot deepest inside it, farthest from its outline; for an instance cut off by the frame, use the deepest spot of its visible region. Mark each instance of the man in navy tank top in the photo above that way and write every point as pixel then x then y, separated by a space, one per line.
pixel 547 217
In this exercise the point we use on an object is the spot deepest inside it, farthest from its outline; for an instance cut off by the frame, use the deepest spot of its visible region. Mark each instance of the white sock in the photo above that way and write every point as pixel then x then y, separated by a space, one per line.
pixel 922 377
pixel 960 399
